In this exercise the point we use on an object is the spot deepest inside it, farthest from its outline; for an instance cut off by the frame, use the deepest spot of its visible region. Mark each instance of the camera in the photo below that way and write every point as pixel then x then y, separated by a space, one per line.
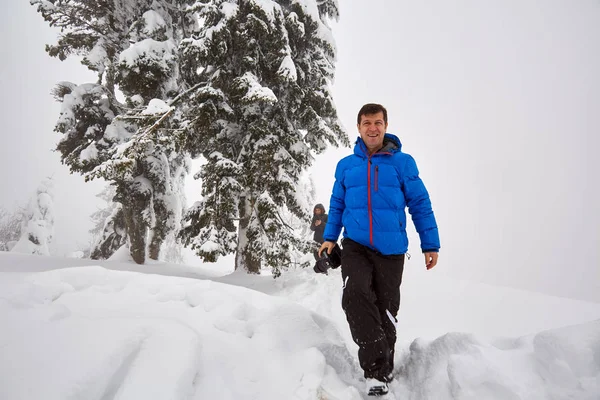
pixel 327 261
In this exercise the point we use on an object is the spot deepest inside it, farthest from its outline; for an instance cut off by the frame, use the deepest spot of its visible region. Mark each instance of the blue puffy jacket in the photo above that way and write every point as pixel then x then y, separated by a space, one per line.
pixel 370 194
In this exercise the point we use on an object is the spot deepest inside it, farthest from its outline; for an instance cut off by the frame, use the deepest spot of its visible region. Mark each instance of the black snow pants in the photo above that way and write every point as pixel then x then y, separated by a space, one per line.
pixel 371 299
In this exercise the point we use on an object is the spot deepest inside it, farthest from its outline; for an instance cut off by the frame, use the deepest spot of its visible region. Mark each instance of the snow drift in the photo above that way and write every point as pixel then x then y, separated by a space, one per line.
pixel 94 333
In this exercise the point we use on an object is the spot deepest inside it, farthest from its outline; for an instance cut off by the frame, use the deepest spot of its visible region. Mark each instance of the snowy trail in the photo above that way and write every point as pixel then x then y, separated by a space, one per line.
pixel 93 333
pixel 555 363
pixel 468 366
pixel 111 358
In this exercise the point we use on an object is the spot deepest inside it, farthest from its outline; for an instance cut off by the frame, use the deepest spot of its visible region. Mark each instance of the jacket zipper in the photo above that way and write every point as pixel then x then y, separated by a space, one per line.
pixel 369 202
pixel 376 177
pixel 369 191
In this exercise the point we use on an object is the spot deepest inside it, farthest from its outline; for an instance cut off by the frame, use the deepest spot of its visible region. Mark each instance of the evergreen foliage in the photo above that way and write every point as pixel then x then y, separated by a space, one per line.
pixel 132 45
pixel 37 227
pixel 264 107
pixel 242 84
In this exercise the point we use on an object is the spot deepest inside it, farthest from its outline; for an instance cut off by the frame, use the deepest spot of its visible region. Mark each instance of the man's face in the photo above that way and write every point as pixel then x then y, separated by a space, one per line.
pixel 318 211
pixel 372 129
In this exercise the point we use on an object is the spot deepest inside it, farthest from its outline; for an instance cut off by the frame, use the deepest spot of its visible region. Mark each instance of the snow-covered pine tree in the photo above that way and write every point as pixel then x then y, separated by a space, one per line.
pixel 132 45
pixel 37 228
pixel 109 232
pixel 263 106
pixel 172 250
pixel 10 227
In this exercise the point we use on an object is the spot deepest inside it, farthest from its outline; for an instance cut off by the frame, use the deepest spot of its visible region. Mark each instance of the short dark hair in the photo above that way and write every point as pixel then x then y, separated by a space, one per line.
pixel 370 109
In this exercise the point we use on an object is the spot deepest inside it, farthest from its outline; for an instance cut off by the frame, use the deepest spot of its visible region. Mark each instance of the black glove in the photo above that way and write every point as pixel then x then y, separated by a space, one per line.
pixel 333 260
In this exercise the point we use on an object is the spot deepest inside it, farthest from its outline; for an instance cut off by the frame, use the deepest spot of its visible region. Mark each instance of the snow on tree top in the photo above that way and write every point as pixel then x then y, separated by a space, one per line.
pixel 287 69
pixel 97 55
pixel 325 34
pixel 310 8
pixel 209 246
pixel 256 92
pixel 295 21
pixel 149 49
pixel 153 21
pixel 229 10
pixel 117 131
pixel 156 106
pixel 74 100
pixel 267 6
pixel 298 147
pixel 89 153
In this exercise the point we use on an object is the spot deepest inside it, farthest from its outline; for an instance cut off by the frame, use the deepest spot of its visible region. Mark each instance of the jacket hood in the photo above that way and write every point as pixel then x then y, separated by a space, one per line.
pixel 319 206
pixel 391 144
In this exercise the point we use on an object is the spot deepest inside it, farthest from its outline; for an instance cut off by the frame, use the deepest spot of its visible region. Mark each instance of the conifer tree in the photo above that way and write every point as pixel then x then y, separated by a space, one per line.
pixel 132 46
pixel 37 229
pixel 263 108
pixel 10 227
pixel 243 84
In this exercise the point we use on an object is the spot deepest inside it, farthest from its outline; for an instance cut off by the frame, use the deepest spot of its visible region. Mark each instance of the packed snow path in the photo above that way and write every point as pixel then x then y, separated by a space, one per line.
pixel 93 333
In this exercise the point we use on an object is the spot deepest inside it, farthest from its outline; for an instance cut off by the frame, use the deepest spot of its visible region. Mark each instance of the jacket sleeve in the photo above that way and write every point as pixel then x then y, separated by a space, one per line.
pixel 337 204
pixel 419 206
pixel 312 224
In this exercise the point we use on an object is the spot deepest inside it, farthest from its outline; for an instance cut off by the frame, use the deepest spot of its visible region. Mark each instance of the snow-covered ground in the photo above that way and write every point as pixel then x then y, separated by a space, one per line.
pixel 81 329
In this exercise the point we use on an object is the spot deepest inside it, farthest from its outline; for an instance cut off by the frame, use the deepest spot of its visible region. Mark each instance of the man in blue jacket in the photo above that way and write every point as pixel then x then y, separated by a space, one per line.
pixel 372 188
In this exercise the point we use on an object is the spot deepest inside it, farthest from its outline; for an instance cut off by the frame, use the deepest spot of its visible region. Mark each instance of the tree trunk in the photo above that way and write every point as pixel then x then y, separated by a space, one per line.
pixel 136 229
pixel 157 239
pixel 243 258
pixel 154 246
pixel 159 231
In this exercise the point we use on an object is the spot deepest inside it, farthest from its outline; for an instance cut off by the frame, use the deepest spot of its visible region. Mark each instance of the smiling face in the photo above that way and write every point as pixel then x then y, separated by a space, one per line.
pixel 372 128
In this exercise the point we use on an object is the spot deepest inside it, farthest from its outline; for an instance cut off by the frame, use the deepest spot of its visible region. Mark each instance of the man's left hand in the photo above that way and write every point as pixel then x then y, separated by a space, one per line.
pixel 431 259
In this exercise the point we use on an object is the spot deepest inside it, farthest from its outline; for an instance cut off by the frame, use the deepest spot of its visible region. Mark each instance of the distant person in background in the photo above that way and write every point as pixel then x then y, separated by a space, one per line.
pixel 319 221
pixel 372 189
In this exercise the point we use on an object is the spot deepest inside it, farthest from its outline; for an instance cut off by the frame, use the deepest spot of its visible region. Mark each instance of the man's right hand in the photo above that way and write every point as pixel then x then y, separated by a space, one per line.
pixel 431 259
pixel 326 245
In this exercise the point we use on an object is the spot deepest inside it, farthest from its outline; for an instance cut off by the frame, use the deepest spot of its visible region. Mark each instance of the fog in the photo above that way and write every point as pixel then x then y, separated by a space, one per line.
pixel 498 103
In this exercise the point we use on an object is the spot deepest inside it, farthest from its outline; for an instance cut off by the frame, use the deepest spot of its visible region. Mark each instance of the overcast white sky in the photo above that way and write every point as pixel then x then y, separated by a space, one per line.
pixel 499 102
